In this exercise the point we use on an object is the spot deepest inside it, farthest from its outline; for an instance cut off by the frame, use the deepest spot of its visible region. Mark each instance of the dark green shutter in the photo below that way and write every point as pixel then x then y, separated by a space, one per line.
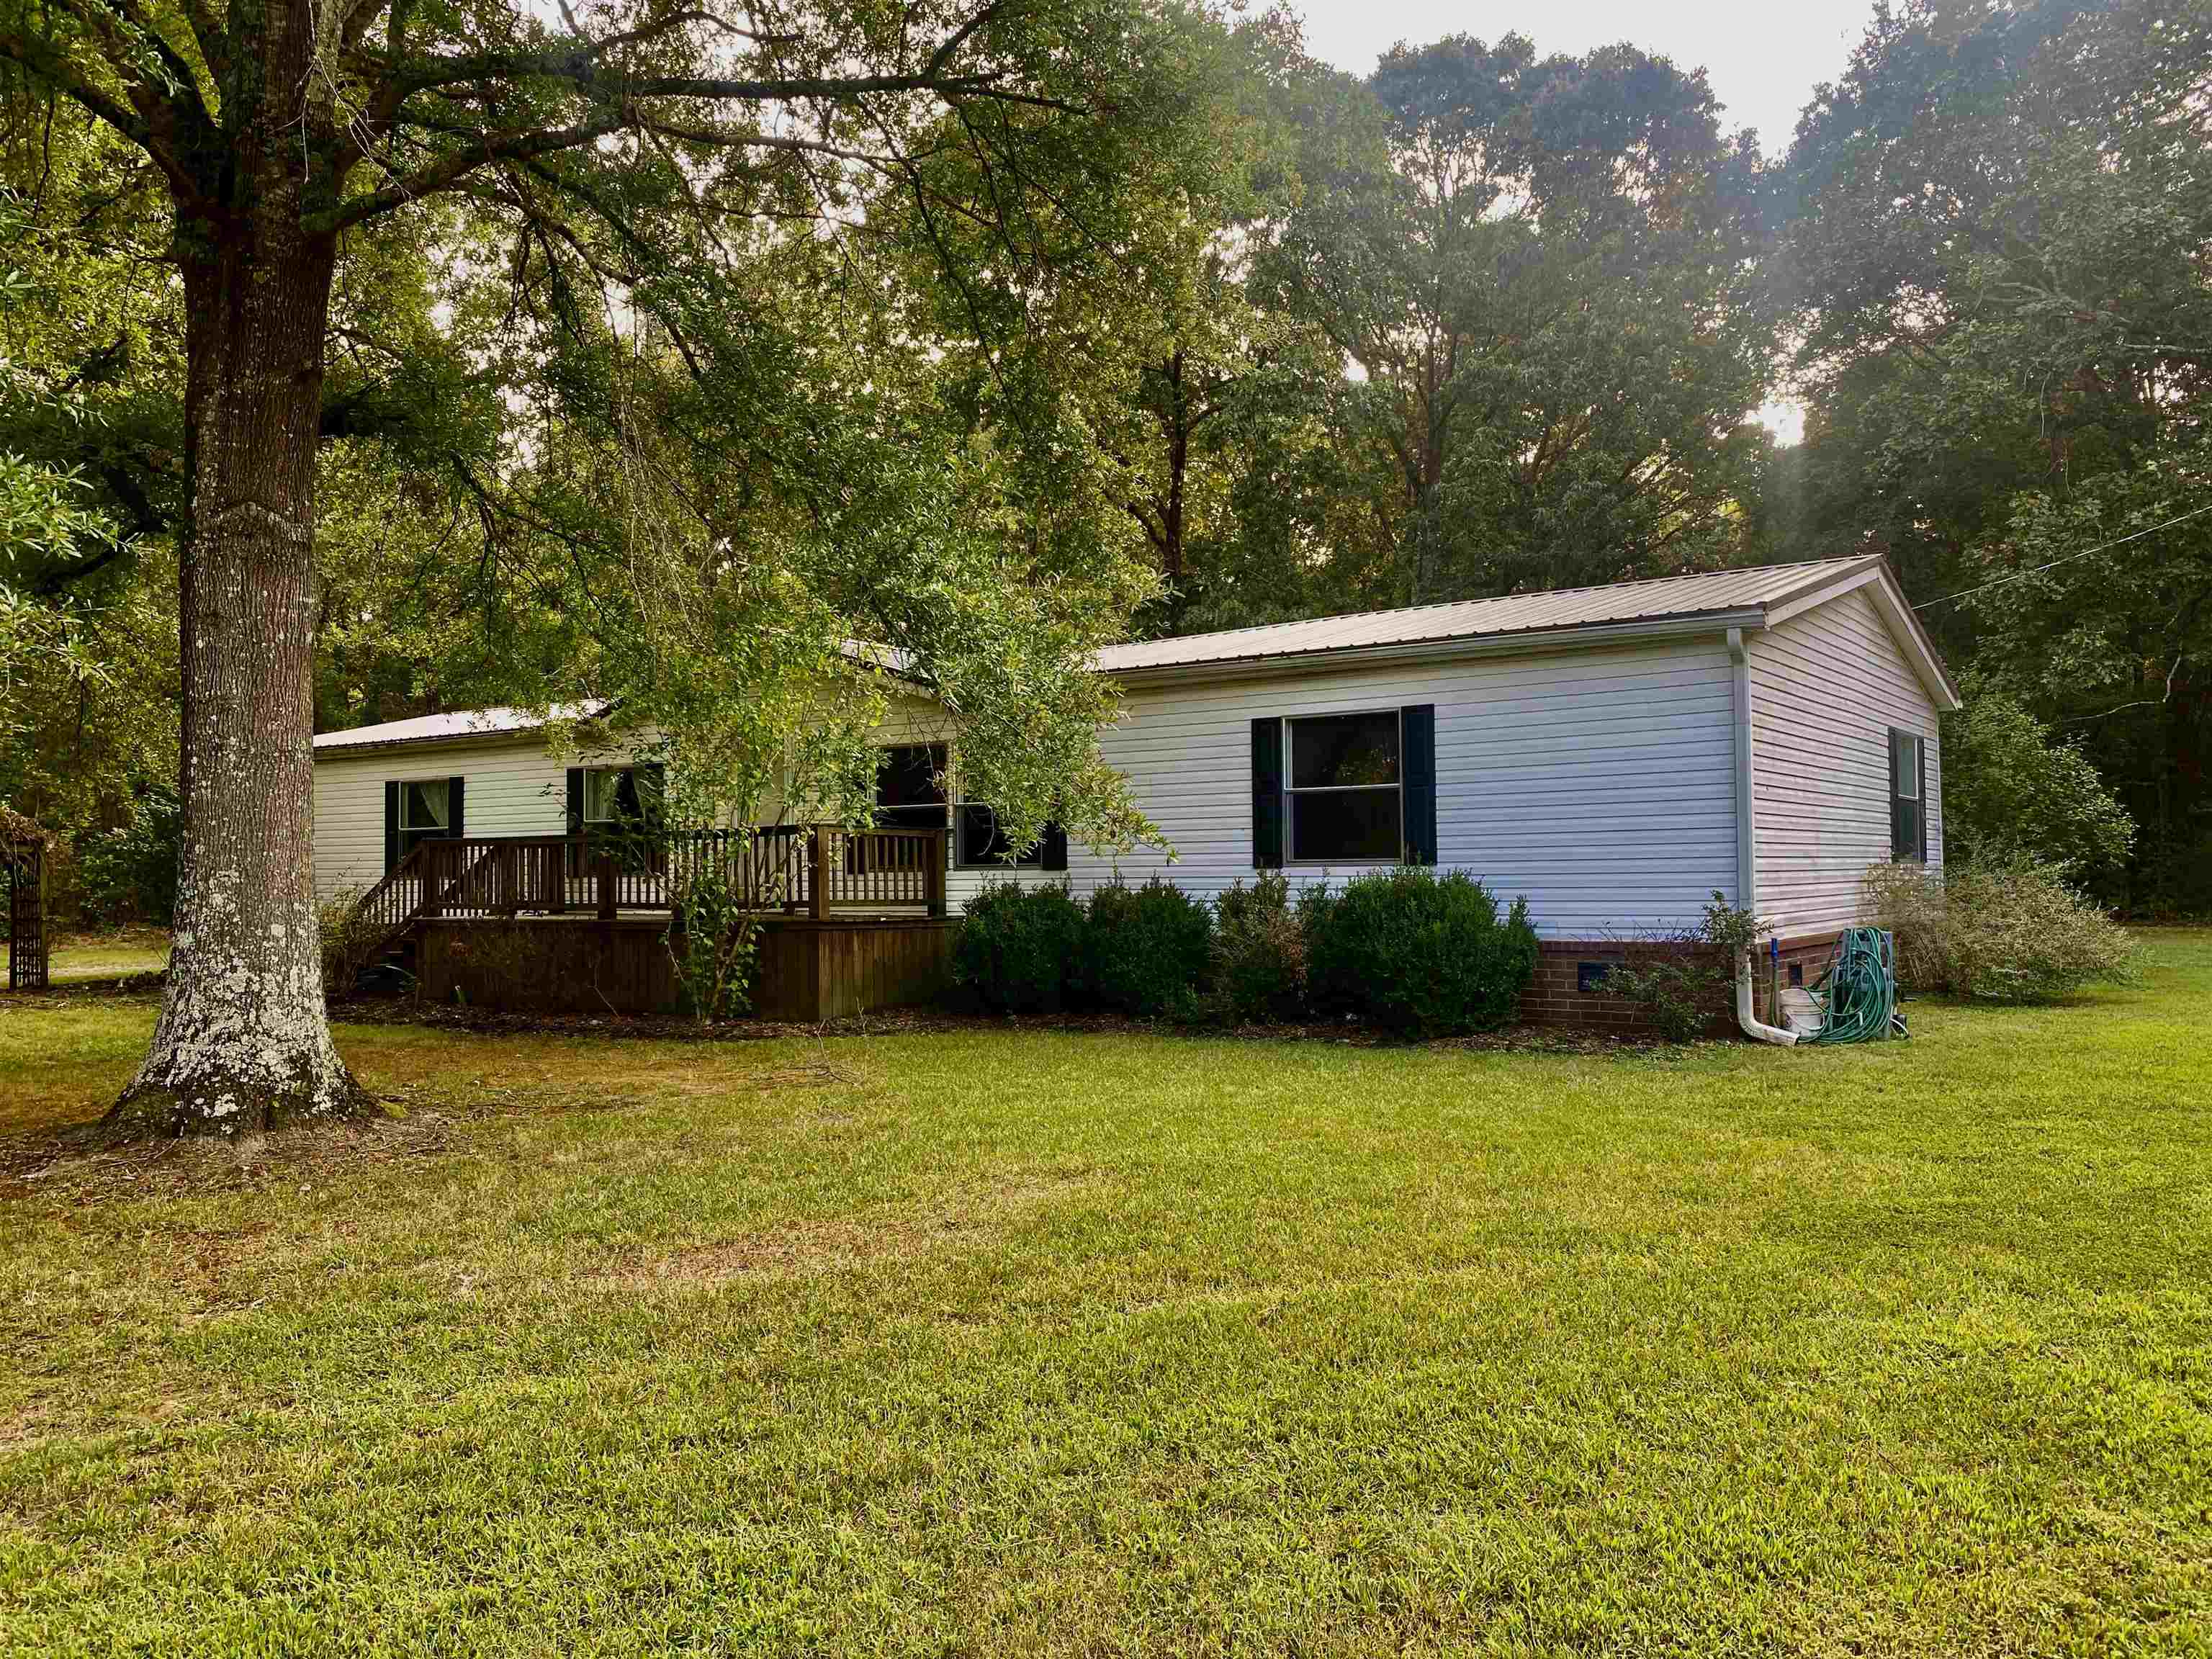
pixel 460 827
pixel 1052 851
pixel 390 826
pixel 1417 725
pixel 575 800
pixel 653 793
pixel 1920 806
pixel 1268 794
pixel 1900 827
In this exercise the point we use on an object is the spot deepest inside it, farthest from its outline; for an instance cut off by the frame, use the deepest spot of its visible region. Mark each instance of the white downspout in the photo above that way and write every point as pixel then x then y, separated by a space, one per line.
pixel 1746 843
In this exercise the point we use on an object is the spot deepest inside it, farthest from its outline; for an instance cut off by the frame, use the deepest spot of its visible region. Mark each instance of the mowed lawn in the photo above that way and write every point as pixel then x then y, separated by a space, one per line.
pixel 91 958
pixel 1093 1343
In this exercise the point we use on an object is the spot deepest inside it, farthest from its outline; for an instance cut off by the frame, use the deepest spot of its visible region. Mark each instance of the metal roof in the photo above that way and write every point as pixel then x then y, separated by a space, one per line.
pixel 1665 604
pixel 1665 599
pixel 460 723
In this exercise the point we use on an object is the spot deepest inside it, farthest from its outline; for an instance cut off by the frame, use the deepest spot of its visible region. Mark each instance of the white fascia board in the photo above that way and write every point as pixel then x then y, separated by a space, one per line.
pixel 1580 637
pixel 1835 587
pixel 512 735
pixel 509 737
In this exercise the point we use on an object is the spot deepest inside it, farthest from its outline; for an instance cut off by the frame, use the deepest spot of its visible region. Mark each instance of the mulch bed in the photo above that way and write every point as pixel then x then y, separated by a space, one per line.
pixel 886 1022
pixel 902 1021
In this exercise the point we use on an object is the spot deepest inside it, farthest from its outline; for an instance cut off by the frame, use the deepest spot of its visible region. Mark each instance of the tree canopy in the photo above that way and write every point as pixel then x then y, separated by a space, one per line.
pixel 1997 253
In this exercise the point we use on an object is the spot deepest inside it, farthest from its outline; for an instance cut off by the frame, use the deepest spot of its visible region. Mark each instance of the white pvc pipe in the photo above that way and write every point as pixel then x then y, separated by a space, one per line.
pixel 1752 1025
pixel 1746 841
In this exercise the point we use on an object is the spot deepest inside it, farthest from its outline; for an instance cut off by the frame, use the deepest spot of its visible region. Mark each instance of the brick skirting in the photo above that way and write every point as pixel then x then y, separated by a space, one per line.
pixel 1554 996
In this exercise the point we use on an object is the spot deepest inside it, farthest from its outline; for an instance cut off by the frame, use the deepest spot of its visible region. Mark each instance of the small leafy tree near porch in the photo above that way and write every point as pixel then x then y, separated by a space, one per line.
pixel 670 201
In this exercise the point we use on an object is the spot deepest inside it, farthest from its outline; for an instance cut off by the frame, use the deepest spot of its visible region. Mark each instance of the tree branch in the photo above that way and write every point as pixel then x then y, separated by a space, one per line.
pixel 444 173
pixel 63 77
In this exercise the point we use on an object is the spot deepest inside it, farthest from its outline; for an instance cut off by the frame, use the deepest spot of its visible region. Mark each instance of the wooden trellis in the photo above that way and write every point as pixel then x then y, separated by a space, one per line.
pixel 23 853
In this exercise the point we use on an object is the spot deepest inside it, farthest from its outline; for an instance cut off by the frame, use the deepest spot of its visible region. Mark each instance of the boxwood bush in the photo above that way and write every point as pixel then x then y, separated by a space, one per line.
pixel 1259 966
pixel 1144 948
pixel 1418 953
pixel 1015 947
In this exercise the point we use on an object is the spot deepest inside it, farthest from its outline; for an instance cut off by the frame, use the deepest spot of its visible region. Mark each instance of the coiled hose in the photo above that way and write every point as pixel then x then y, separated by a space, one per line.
pixel 1858 991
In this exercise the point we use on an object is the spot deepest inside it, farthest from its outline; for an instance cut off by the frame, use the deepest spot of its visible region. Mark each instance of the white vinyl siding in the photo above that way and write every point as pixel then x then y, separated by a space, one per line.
pixel 1827 686
pixel 514 788
pixel 1598 783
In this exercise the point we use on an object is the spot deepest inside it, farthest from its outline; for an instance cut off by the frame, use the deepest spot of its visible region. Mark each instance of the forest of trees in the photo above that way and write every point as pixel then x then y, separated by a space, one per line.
pixel 650 353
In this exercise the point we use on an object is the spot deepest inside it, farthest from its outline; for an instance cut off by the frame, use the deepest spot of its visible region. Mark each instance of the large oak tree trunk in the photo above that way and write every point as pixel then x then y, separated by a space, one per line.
pixel 243 1041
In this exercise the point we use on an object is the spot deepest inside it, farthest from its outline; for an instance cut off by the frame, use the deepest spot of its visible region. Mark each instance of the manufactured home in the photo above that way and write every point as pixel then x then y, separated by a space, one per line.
pixel 1615 755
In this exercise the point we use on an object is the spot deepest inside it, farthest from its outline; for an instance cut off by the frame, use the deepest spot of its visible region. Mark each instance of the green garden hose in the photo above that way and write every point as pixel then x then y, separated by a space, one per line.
pixel 1858 993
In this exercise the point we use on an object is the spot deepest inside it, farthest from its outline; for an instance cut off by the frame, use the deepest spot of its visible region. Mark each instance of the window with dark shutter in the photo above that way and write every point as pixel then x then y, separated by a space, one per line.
pixel 981 844
pixel 1344 789
pixel 1908 797
pixel 423 808
pixel 1268 794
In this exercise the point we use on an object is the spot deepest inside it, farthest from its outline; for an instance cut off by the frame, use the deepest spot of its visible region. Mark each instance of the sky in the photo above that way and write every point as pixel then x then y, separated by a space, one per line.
pixel 1762 60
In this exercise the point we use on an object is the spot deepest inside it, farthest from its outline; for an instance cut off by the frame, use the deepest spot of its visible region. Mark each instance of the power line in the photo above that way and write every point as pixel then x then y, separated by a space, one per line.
pixel 2019 575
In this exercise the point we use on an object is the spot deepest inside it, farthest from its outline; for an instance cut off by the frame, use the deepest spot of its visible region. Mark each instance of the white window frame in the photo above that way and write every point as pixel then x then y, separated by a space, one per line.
pixel 1903 778
pixel 407 836
pixel 585 807
pixel 1291 791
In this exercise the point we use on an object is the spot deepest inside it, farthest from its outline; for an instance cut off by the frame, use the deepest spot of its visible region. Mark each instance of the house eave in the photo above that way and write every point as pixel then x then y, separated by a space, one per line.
pixel 1526 641
pixel 513 734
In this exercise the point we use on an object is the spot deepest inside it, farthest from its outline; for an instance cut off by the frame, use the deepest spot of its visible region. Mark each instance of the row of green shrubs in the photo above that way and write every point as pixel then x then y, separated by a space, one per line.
pixel 1406 949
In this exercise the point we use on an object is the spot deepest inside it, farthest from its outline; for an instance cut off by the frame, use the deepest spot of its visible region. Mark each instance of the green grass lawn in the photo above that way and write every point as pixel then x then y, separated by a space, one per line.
pixel 91 958
pixel 1013 1341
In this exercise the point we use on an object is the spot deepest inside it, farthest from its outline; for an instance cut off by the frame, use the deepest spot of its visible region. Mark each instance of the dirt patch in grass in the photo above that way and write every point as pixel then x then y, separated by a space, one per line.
pixel 79 1165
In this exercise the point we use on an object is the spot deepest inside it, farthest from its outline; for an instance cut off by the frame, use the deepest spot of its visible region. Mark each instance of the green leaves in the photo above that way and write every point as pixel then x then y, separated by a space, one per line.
pixel 2011 792
pixel 1995 256
pixel 1543 269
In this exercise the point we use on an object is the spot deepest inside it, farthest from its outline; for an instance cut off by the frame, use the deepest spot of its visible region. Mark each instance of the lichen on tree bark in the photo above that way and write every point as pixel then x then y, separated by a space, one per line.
pixel 243 1042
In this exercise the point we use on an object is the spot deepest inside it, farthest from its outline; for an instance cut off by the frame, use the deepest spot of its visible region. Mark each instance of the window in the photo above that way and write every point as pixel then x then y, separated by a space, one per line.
pixel 426 812
pixel 616 797
pixel 615 809
pixel 603 788
pixel 980 844
pixel 1345 789
pixel 910 787
pixel 1908 809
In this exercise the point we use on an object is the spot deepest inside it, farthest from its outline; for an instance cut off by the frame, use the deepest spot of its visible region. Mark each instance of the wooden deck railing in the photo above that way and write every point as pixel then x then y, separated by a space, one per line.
pixel 811 869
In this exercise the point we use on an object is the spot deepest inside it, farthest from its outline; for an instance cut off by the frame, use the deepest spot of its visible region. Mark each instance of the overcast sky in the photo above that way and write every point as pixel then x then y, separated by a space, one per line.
pixel 1763 59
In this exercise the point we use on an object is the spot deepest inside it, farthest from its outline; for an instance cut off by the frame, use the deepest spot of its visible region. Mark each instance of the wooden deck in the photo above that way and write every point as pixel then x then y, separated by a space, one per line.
pixel 850 920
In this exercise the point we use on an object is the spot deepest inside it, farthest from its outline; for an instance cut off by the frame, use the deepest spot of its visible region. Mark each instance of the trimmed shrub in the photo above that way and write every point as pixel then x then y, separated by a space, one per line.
pixel 2013 932
pixel 1144 948
pixel 1015 947
pixel 1417 952
pixel 1258 961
